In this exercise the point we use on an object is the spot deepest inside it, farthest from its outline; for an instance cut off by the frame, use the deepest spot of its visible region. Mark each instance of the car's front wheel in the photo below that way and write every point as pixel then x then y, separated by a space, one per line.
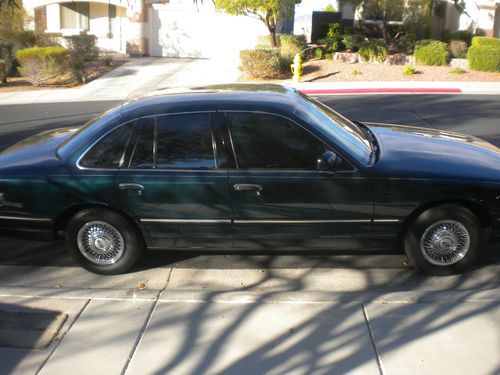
pixel 103 241
pixel 443 240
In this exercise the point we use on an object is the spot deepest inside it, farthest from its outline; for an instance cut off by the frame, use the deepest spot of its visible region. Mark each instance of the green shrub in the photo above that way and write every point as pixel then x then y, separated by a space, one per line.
pixel 464 35
pixel 372 50
pixel 458 49
pixel 5 59
pixel 319 53
pixel 21 39
pixel 264 63
pixel 486 41
pixel 484 57
pixel 82 48
pixel 38 64
pixel 352 42
pixel 409 70
pixel 431 52
pixel 457 71
pixel 290 45
pixel 356 72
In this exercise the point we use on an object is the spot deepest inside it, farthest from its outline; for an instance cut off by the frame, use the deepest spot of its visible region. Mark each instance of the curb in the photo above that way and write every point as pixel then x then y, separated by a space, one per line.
pixel 381 91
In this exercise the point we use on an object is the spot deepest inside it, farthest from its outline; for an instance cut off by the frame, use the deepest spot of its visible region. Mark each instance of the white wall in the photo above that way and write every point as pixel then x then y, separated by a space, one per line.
pixel 53 18
pixel 180 29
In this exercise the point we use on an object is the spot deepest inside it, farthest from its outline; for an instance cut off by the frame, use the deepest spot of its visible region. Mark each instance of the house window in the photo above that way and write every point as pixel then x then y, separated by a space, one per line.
pixel 75 15
pixel 112 20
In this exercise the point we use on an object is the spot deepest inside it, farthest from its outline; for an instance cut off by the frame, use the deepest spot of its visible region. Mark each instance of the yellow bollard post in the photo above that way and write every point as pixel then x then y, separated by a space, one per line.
pixel 297 68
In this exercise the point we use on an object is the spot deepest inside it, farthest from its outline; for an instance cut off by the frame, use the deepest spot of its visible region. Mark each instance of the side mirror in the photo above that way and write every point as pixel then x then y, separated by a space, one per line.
pixel 327 161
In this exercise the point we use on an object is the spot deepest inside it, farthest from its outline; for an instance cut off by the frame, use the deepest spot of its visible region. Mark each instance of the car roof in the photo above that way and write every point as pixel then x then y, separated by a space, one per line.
pixel 247 96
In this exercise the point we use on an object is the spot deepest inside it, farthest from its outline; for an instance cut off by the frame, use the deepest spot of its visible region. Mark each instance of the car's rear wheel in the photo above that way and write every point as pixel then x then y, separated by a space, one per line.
pixel 103 241
pixel 443 240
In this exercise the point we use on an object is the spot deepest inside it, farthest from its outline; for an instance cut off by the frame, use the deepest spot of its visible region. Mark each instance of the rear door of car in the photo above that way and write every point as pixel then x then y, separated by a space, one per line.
pixel 173 181
pixel 280 199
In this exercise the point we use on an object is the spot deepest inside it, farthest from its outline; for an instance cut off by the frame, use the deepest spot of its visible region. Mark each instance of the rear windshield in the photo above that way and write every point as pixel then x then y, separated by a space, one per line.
pixel 79 137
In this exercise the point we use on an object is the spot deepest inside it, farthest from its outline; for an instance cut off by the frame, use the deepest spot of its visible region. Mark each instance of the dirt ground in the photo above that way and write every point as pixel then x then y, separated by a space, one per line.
pixel 334 71
pixel 64 80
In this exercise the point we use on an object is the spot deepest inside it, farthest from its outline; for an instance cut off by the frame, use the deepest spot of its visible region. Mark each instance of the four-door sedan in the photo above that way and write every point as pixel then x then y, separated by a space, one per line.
pixel 250 167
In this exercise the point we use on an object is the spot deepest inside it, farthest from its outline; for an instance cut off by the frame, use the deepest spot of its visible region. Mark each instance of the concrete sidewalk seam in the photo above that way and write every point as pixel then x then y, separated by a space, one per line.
pixel 139 337
pixel 372 339
pixel 63 336
pixel 145 326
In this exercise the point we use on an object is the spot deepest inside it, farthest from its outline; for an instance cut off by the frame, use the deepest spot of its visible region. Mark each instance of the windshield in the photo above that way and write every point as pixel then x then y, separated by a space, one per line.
pixel 340 128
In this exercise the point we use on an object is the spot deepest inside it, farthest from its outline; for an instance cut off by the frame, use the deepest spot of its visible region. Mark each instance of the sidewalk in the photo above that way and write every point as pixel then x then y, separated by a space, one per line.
pixel 255 321
pixel 141 75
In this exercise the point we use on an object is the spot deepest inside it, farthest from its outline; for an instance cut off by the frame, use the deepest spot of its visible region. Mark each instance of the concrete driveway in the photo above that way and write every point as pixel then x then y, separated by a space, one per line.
pixel 136 77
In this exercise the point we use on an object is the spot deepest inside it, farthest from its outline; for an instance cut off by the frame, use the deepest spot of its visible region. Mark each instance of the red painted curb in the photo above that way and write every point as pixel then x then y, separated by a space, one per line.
pixel 382 91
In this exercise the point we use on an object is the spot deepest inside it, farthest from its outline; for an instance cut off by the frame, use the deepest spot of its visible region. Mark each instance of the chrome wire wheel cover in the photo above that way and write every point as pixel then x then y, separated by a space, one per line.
pixel 445 242
pixel 100 243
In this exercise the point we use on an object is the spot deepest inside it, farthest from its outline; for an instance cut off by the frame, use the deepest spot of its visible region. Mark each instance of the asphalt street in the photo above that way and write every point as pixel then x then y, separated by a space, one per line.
pixel 471 114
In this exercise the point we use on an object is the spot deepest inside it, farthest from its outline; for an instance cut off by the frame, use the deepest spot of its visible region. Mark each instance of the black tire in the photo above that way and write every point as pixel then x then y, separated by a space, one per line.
pixel 429 219
pixel 130 246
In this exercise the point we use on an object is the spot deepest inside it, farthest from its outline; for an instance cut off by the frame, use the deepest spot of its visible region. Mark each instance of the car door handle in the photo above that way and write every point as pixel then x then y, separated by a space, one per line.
pixel 129 186
pixel 248 187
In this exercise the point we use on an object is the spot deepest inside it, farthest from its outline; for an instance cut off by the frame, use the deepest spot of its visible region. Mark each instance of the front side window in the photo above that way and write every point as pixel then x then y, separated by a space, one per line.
pixel 268 141
pixel 108 152
pixel 175 142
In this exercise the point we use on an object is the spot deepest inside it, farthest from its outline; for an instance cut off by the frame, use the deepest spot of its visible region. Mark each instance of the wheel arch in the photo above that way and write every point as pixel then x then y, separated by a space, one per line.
pixel 477 209
pixel 65 216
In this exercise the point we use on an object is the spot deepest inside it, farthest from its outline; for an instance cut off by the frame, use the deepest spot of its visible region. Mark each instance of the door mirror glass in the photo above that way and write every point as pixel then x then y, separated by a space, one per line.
pixel 327 161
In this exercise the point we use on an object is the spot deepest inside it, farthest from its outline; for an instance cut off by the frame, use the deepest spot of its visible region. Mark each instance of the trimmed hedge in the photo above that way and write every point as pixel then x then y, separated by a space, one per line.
pixel 486 41
pixel 484 58
pixel 263 63
pixel 431 52
pixel 38 64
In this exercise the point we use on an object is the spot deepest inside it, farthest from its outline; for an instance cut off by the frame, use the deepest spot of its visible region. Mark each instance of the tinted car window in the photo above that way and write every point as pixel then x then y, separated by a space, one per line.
pixel 184 142
pixel 269 141
pixel 142 156
pixel 108 152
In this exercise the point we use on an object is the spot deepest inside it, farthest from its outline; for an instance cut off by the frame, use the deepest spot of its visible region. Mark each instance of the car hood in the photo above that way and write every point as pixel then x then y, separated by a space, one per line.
pixel 39 148
pixel 410 151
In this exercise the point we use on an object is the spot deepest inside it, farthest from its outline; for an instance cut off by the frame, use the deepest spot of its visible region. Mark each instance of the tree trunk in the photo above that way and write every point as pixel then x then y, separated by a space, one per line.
pixel 384 31
pixel 271 26
pixel 272 38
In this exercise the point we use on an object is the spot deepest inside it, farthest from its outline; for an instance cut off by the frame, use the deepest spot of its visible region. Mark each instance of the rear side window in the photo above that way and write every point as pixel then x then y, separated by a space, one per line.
pixel 175 142
pixel 109 151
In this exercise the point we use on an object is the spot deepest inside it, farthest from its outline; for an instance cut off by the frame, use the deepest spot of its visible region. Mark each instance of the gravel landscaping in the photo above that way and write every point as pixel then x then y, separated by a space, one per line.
pixel 334 71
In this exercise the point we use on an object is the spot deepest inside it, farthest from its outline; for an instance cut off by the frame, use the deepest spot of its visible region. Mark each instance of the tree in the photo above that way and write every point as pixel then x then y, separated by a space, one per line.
pixel 9 3
pixel 383 10
pixel 266 11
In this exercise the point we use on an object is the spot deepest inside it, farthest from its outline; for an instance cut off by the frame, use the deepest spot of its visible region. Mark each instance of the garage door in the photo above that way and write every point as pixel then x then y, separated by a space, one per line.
pixel 201 33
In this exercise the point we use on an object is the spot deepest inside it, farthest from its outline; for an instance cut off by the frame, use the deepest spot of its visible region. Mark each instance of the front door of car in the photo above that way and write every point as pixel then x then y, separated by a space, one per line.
pixel 172 182
pixel 280 198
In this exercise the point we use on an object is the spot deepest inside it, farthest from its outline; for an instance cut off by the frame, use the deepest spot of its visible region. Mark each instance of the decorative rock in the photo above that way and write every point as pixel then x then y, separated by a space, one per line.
pixel 410 59
pixel 396 59
pixel 460 63
pixel 347 57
